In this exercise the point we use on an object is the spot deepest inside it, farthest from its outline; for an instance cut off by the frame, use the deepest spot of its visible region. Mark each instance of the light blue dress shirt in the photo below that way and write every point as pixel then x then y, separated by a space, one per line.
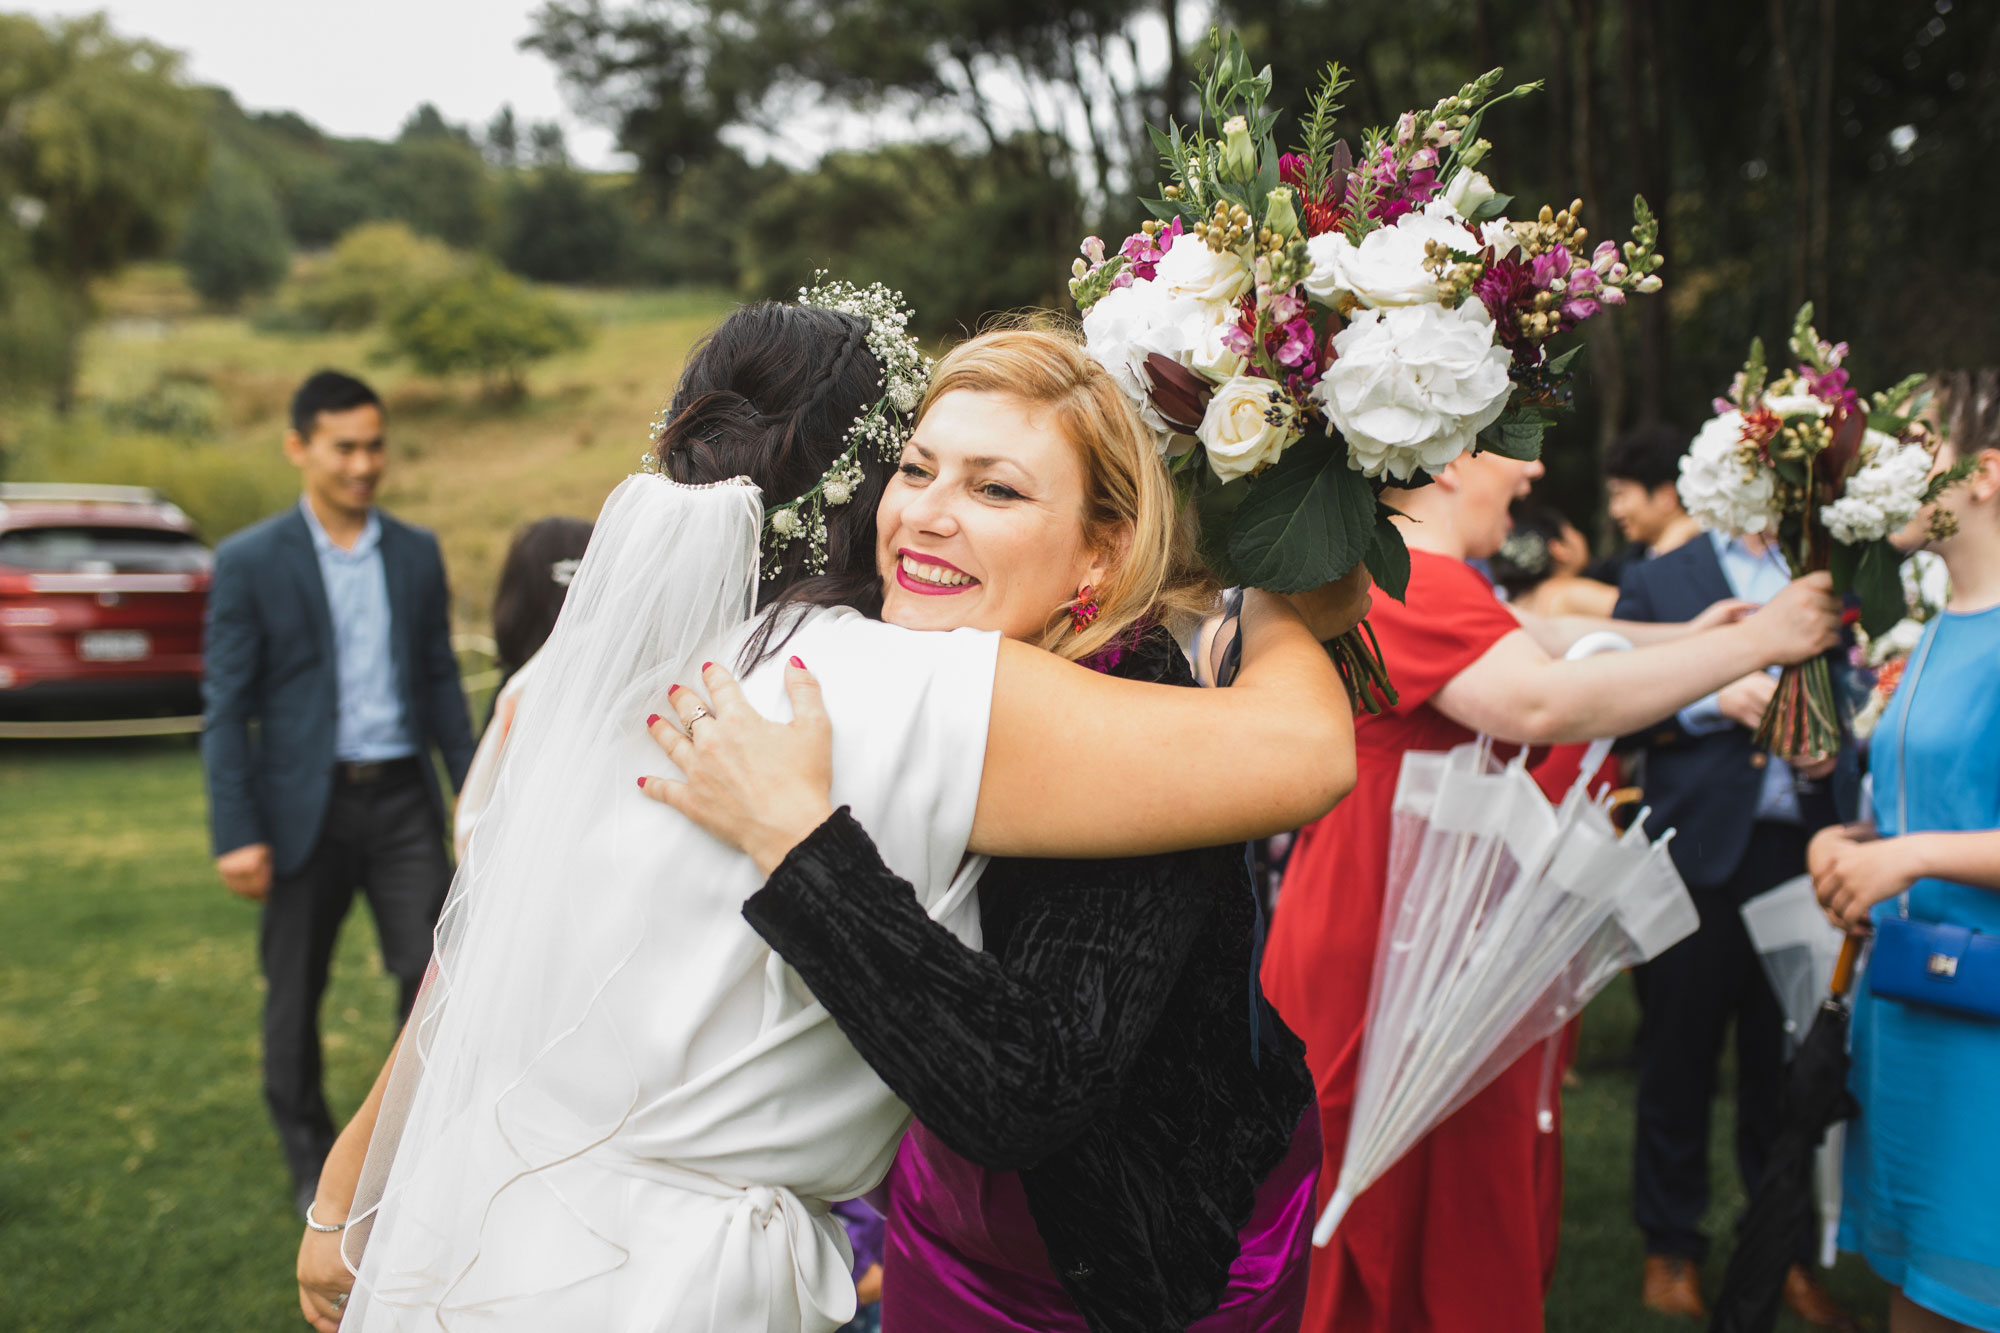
pixel 370 726
pixel 1754 578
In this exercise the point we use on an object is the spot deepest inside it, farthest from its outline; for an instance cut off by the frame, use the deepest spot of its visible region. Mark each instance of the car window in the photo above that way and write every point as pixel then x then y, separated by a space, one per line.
pixel 102 550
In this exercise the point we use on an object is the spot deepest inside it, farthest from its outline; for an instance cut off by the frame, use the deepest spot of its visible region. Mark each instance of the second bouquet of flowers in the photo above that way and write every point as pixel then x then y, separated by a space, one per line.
pixel 1797 456
pixel 1305 330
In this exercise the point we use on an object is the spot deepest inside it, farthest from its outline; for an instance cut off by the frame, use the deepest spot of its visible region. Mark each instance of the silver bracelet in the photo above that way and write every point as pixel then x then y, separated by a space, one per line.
pixel 312 1225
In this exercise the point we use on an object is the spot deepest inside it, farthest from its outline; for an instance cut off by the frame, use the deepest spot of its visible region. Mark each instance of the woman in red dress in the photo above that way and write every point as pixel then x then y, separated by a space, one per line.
pixel 1460 1235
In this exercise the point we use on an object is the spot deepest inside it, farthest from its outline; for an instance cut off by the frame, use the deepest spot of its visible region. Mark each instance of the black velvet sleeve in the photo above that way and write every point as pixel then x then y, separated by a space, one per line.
pixel 1005 1056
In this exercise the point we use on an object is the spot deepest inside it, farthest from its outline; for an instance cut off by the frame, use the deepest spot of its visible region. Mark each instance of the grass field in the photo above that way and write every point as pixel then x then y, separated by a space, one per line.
pixel 140 1184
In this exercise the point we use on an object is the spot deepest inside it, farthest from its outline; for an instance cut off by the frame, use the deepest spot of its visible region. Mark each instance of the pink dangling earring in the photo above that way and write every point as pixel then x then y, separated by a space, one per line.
pixel 1083 611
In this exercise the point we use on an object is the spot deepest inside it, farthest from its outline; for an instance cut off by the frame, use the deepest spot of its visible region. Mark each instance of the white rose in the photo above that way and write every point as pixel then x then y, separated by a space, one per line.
pixel 1387 268
pixel 1237 429
pixel 1718 488
pixel 1211 354
pixel 1884 493
pixel 1798 405
pixel 1926 582
pixel 1467 190
pixel 1192 271
pixel 1412 386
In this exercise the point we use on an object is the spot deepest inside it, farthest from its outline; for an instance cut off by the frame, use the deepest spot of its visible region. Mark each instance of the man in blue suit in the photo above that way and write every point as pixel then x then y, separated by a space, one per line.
pixel 330 677
pixel 1742 819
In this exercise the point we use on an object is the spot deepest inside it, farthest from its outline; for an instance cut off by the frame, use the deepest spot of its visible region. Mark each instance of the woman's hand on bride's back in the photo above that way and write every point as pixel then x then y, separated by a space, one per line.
pixel 758 785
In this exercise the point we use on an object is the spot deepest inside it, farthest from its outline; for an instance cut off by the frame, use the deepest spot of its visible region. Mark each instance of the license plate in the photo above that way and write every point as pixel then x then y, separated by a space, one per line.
pixel 112 645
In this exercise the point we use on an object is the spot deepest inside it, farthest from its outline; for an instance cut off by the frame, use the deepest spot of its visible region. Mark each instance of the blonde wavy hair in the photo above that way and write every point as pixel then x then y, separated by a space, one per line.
pixel 1129 506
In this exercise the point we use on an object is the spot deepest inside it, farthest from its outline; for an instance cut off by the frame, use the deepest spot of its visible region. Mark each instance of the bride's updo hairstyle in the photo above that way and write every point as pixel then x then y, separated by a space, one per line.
pixel 769 395
pixel 1128 500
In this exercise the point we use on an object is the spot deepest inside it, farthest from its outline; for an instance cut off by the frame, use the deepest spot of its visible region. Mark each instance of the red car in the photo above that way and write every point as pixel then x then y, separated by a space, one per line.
pixel 102 593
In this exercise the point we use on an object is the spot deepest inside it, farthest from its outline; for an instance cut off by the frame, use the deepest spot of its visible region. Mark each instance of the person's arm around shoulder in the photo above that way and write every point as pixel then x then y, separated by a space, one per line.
pixel 232 661
pixel 439 666
pixel 1083 764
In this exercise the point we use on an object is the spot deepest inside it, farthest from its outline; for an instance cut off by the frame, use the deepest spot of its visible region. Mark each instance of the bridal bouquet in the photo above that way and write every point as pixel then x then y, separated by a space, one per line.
pixel 1302 330
pixel 1798 456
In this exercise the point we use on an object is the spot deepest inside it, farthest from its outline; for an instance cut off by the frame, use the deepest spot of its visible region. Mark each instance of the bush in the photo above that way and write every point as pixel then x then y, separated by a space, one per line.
pixel 234 244
pixel 181 405
pixel 485 322
pixel 373 269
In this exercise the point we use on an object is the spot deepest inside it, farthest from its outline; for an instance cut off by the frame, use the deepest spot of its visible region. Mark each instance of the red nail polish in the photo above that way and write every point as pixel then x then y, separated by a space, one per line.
pixel 642 784
pixel 800 665
pixel 706 665
pixel 651 718
pixel 671 689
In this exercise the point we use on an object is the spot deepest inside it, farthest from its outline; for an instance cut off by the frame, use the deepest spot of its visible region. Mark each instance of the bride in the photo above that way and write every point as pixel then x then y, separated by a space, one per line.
pixel 614 1107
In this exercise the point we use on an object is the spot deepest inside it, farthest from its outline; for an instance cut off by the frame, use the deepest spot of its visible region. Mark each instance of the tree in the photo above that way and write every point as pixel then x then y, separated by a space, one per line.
pixel 102 146
pixel 503 138
pixel 484 322
pixel 234 243
pixel 559 226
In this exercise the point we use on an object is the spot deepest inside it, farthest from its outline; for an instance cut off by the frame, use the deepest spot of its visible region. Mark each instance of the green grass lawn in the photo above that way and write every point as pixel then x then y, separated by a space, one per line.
pixel 140 1183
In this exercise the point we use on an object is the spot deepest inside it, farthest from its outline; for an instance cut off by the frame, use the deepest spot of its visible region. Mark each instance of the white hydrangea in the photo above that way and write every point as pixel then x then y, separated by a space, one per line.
pixel 1387 269
pixel 1412 386
pixel 1884 493
pixel 1718 488
pixel 1132 322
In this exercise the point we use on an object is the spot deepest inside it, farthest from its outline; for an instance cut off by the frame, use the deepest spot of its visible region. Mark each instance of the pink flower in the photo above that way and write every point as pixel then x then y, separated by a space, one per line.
pixel 1143 253
pixel 1832 386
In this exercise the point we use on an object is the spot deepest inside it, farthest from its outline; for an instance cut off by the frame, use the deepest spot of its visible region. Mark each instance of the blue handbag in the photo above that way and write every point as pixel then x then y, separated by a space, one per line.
pixel 1932 963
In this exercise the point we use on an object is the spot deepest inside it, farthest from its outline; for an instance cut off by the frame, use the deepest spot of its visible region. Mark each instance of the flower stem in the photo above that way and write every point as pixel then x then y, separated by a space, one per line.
pixel 1357 655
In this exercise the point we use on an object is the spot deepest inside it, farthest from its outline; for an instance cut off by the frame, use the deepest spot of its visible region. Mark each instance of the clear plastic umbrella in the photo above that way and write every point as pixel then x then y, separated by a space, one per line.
pixel 1503 916
pixel 1799 948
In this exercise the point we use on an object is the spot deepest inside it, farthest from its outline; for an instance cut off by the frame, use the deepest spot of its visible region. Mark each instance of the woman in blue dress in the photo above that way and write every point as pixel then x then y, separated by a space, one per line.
pixel 1921 1200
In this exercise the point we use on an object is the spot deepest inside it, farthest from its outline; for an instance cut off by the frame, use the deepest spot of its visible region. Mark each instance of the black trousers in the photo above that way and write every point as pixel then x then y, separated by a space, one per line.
pixel 383 838
pixel 1688 997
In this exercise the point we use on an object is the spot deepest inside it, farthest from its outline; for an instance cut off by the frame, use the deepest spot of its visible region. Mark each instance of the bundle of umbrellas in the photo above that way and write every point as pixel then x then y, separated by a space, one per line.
pixel 1503 916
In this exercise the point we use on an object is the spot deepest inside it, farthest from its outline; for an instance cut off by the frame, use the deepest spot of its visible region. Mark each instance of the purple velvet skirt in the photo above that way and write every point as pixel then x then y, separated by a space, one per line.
pixel 962 1251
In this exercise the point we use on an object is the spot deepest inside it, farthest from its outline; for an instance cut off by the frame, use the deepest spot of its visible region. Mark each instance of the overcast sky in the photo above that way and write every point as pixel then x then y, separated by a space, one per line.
pixel 359 67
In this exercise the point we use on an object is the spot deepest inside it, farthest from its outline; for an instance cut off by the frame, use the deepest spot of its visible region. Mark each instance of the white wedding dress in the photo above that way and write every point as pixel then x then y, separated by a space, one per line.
pixel 626 1113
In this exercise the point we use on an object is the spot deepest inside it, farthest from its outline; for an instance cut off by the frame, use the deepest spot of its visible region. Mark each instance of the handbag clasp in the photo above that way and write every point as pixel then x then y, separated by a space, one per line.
pixel 1942 965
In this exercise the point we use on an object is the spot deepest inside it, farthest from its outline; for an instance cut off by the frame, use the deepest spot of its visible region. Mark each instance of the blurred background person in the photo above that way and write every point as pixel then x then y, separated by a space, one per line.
pixel 329 679
pixel 534 580
pixel 1743 817
pixel 1462 1233
pixel 1921 1195
pixel 1540 567
pixel 1641 471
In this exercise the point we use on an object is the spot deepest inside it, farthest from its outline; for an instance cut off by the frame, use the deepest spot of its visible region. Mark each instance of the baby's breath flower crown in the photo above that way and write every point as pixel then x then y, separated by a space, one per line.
pixel 885 423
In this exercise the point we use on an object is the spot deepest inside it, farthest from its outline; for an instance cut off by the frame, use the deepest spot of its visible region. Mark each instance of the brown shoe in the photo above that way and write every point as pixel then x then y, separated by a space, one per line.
pixel 1809 1301
pixel 1672 1286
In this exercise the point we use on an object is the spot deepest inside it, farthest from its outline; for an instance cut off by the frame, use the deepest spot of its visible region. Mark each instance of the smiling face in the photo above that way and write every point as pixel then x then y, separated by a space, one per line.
pixel 983 523
pixel 342 461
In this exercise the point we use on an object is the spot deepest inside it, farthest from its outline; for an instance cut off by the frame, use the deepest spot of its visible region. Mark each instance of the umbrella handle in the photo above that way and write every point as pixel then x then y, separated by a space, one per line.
pixel 1843 970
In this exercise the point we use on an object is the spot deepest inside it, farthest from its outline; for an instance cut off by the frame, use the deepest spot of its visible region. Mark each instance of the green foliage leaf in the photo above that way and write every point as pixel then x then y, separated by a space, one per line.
pixel 1492 208
pixel 1306 521
pixel 1878 581
pixel 1388 558
pixel 1517 435
pixel 1560 363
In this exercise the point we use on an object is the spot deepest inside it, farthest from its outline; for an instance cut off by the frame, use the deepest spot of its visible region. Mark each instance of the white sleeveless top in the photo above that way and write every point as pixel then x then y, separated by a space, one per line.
pixel 666 1162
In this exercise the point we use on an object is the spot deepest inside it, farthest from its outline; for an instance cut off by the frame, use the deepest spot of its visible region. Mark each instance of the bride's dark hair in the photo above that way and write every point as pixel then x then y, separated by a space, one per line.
pixel 770 395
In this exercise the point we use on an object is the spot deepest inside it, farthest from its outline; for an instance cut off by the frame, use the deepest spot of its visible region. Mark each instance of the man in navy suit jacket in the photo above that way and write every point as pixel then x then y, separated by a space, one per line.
pixel 1742 819
pixel 329 679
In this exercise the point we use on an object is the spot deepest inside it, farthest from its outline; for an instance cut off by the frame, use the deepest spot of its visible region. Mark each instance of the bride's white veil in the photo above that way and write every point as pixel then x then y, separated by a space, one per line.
pixel 533 932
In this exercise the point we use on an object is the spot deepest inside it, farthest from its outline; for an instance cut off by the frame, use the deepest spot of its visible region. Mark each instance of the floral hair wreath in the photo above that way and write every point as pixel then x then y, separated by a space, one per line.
pixel 906 372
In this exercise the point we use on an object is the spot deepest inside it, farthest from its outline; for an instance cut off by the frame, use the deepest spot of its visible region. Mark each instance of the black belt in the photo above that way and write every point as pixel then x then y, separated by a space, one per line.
pixel 381 770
